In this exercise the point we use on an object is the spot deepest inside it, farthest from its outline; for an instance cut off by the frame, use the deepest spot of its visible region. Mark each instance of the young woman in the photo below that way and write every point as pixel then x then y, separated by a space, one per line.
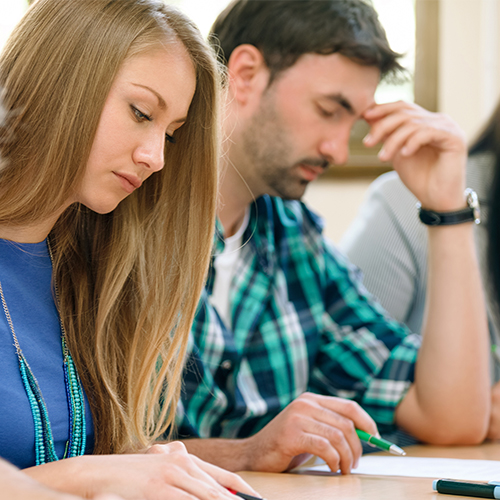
pixel 107 196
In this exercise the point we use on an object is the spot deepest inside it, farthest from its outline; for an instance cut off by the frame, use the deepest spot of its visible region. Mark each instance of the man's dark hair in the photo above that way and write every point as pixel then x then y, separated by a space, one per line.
pixel 284 30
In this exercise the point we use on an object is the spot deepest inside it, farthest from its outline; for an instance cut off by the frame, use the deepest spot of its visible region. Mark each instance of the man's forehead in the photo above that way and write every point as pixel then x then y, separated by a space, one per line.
pixel 334 77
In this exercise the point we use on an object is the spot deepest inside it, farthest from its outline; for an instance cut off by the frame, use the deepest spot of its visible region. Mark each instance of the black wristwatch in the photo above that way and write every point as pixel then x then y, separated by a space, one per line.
pixel 470 214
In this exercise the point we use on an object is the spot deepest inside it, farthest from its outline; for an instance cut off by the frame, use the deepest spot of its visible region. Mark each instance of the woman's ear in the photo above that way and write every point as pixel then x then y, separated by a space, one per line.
pixel 248 74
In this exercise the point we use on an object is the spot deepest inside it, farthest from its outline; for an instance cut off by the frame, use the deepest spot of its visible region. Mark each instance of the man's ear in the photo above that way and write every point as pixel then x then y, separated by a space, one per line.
pixel 248 74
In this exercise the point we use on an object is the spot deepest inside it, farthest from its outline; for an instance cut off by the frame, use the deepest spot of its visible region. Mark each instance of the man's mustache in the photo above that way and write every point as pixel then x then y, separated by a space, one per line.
pixel 315 162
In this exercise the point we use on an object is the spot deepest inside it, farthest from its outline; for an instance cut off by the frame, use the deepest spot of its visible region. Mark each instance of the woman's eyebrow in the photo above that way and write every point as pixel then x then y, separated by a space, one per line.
pixel 161 102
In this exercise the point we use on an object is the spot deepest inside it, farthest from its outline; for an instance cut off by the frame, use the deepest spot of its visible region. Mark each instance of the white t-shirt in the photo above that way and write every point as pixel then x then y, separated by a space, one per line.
pixel 225 265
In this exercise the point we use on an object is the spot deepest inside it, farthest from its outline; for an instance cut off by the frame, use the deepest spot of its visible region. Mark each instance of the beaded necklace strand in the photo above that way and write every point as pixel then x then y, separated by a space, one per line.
pixel 44 441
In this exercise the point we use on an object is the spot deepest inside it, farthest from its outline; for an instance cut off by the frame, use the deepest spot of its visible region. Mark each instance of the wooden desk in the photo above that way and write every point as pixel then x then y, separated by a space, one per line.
pixel 359 487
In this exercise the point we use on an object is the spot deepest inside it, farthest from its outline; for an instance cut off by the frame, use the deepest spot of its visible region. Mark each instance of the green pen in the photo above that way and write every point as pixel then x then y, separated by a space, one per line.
pixel 380 443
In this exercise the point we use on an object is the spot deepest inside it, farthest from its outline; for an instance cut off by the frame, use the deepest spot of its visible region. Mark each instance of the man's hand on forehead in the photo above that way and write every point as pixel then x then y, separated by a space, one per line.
pixel 404 128
pixel 428 150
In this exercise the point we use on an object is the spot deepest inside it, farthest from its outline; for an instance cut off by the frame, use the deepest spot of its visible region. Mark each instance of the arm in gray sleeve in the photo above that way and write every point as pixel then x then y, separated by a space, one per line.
pixel 388 243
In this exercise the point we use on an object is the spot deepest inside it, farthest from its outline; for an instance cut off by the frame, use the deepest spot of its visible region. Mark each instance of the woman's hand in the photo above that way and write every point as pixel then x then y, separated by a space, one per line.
pixel 19 486
pixel 217 478
pixel 166 471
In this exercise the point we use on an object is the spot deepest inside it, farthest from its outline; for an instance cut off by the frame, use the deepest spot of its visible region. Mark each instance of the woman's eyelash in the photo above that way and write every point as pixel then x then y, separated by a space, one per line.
pixel 142 116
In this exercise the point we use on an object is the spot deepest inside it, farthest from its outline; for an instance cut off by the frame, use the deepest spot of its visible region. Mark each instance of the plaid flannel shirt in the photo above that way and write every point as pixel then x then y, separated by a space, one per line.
pixel 301 320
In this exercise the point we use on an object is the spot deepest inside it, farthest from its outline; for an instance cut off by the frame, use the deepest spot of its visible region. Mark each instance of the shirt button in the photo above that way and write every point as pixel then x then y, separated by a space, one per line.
pixel 226 364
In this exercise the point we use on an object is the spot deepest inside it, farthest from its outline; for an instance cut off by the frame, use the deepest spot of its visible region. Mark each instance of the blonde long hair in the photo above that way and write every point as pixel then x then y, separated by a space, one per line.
pixel 129 280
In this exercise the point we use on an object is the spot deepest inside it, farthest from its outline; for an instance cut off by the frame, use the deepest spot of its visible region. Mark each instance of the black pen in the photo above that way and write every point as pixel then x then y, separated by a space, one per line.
pixel 243 495
pixel 481 490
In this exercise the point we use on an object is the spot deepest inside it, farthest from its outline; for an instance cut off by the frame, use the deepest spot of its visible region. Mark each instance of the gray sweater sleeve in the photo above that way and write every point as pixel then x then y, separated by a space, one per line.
pixel 389 244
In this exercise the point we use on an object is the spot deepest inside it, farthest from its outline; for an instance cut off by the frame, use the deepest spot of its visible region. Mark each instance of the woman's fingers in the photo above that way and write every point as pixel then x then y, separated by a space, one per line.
pixel 227 479
pixel 204 478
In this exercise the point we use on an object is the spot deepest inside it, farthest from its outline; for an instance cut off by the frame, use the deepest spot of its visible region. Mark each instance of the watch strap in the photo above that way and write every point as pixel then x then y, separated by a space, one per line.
pixel 431 218
pixel 469 214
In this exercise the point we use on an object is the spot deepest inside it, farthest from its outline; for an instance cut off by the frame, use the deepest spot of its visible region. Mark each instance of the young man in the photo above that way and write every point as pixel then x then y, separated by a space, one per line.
pixel 287 342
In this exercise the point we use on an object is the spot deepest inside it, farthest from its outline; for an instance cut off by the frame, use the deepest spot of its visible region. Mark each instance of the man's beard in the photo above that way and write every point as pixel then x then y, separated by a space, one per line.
pixel 268 149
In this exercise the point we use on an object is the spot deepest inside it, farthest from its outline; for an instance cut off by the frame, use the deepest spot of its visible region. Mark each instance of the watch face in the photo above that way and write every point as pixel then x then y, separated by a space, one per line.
pixel 477 214
pixel 473 202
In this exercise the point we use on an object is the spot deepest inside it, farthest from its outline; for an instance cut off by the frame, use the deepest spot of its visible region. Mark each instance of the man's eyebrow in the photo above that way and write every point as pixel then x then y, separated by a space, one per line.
pixel 161 102
pixel 343 101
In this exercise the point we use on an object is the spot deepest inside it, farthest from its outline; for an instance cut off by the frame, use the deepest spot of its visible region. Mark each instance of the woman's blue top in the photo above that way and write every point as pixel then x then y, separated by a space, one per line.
pixel 25 275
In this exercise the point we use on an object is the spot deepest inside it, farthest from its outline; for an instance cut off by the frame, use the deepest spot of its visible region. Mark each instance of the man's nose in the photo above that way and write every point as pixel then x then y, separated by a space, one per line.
pixel 336 148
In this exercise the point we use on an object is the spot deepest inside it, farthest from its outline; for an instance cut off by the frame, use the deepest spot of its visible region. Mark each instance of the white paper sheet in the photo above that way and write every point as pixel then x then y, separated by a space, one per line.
pixel 450 468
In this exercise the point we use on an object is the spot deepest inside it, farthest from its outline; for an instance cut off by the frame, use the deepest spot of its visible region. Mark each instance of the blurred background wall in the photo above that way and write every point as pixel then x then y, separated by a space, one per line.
pixel 452 52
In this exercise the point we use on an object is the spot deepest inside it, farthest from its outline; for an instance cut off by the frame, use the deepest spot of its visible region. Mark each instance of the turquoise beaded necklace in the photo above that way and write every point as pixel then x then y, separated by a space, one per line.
pixel 44 441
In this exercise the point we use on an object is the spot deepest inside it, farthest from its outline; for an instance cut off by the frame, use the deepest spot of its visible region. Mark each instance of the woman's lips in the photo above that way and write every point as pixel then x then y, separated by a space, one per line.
pixel 129 182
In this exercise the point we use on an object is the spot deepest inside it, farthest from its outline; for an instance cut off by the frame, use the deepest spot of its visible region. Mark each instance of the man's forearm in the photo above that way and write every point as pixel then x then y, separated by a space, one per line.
pixel 450 399
pixel 230 454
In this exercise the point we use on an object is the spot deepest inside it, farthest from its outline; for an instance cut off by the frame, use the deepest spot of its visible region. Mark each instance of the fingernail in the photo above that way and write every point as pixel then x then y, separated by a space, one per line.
pixel 382 154
pixel 367 138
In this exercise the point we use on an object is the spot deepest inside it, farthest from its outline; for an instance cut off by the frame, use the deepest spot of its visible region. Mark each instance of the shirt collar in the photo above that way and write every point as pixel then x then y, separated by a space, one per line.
pixel 259 234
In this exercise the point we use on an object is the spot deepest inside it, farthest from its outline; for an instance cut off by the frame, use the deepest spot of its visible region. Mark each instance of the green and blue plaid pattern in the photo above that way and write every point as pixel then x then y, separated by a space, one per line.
pixel 301 320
